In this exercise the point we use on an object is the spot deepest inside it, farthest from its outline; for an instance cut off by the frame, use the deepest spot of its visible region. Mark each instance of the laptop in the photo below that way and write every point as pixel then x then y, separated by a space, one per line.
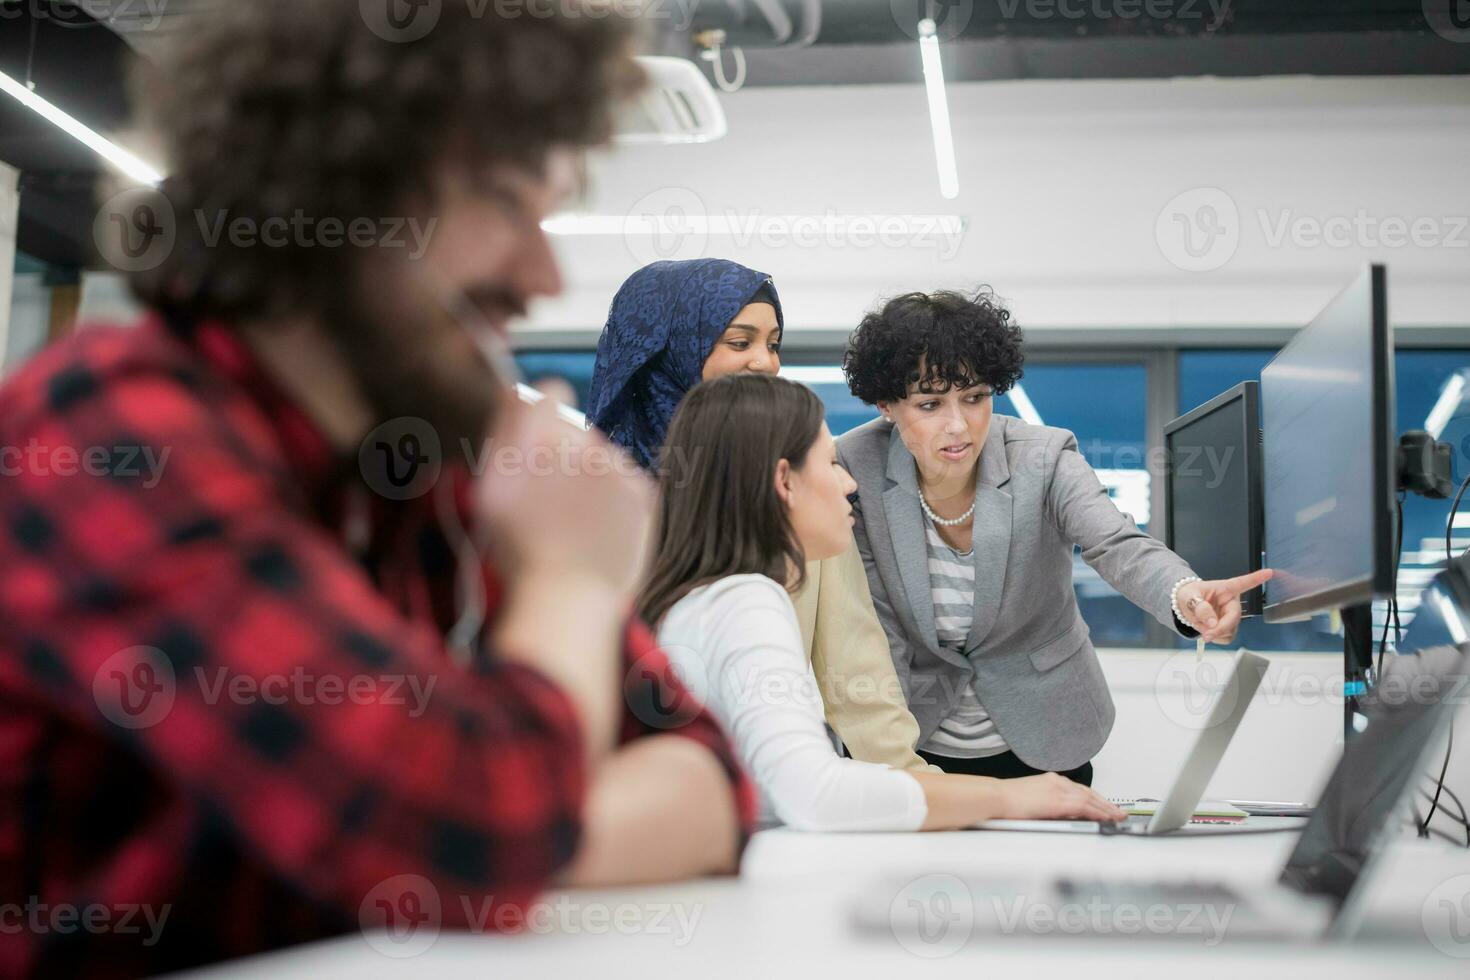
pixel 1188 788
pixel 1322 890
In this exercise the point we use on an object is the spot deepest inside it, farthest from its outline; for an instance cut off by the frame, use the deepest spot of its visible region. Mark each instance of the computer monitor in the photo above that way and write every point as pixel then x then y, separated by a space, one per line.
pixel 1327 409
pixel 1213 514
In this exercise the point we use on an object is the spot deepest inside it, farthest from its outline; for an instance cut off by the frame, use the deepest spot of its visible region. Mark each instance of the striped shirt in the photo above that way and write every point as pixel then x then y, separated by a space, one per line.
pixel 968 732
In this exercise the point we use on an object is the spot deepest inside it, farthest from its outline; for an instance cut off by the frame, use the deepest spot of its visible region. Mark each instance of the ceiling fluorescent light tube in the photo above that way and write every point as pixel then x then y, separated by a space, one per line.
pixel 902 226
pixel 1444 408
pixel 949 180
pixel 1024 406
pixel 119 158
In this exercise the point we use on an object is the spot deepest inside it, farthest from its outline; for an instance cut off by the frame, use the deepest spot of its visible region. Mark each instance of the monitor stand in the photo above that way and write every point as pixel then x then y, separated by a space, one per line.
pixel 1423 466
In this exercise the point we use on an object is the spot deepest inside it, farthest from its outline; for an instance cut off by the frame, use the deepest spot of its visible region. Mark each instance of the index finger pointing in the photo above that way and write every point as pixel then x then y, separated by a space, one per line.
pixel 1244 583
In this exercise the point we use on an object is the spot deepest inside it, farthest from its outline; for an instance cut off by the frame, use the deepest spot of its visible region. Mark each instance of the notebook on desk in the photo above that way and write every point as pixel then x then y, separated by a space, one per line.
pixel 1205 811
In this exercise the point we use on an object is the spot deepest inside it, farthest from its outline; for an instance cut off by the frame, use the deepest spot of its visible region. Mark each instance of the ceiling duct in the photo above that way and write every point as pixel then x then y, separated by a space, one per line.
pixel 678 106
pixel 761 23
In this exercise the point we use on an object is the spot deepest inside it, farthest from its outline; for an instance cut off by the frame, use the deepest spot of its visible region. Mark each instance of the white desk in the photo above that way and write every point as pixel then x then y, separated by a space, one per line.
pixel 791 914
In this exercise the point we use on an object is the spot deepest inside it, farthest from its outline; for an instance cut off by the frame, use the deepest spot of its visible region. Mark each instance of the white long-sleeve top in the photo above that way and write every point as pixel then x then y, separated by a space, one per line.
pixel 737 646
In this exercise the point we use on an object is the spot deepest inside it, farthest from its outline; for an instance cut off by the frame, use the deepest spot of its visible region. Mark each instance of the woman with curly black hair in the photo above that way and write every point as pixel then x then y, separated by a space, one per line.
pixel 966 522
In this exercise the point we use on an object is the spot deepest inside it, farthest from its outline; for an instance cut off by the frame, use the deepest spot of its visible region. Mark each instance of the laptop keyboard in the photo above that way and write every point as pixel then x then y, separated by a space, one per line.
pixel 1160 891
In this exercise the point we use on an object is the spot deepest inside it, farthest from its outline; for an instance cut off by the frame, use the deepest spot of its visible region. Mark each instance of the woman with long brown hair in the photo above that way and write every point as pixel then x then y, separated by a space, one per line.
pixel 751 491
pixel 675 324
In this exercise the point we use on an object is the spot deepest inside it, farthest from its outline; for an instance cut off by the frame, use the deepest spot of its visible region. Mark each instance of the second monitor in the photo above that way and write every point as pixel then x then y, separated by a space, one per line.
pixel 1214 503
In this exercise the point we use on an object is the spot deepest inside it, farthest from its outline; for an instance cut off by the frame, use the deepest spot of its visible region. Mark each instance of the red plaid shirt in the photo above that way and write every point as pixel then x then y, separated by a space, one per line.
pixel 214 714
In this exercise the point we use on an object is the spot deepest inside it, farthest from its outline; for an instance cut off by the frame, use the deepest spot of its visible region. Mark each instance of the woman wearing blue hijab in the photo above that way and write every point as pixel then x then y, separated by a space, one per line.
pixel 675 324
pixel 663 331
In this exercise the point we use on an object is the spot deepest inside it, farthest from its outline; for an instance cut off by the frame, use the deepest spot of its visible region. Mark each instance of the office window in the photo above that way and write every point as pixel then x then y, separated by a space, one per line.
pixel 844 412
pixel 1205 374
pixel 1105 406
pixel 1432 392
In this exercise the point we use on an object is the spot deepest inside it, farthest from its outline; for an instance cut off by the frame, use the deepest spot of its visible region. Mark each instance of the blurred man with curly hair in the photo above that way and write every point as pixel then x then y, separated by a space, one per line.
pixel 272 693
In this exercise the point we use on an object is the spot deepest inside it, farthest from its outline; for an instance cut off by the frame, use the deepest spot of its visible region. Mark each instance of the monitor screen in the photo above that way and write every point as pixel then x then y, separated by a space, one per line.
pixel 1327 413
pixel 1214 455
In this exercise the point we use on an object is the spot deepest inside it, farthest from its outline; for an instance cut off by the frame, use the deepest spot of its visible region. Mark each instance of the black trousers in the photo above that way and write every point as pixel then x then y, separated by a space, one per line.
pixel 1003 766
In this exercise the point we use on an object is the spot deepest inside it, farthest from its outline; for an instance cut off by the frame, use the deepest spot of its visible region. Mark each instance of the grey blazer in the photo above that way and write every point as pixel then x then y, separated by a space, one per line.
pixel 1028 651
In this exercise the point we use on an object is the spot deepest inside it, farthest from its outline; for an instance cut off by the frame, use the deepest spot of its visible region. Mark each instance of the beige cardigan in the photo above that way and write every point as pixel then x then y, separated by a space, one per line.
pixel 849 652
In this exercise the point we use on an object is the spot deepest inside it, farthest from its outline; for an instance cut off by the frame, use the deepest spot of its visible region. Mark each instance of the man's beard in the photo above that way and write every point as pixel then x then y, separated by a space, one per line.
pixel 405 370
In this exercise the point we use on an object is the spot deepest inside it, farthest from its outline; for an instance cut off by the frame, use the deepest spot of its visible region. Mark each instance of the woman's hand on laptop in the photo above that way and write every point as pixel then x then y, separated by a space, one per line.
pixel 1053 797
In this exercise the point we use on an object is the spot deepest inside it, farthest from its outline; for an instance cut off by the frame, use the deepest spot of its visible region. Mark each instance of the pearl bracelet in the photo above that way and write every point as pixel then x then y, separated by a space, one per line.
pixel 1174 601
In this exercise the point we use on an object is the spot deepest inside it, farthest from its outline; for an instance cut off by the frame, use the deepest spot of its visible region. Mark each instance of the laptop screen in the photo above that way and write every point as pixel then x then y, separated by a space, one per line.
pixel 1419 690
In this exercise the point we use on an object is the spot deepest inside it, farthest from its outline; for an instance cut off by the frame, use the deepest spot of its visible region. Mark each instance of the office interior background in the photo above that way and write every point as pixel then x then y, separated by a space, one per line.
pixel 1160 200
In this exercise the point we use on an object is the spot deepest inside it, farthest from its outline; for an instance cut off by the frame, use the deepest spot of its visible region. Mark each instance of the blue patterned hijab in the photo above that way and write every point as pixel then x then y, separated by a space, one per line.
pixel 663 324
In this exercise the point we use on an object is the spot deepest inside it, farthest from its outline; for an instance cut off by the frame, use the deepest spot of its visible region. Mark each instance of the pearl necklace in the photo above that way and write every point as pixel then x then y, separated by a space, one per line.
pixel 924 505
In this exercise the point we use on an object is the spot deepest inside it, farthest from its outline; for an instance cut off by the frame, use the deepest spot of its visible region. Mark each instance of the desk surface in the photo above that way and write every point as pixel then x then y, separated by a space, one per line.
pixel 792 912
